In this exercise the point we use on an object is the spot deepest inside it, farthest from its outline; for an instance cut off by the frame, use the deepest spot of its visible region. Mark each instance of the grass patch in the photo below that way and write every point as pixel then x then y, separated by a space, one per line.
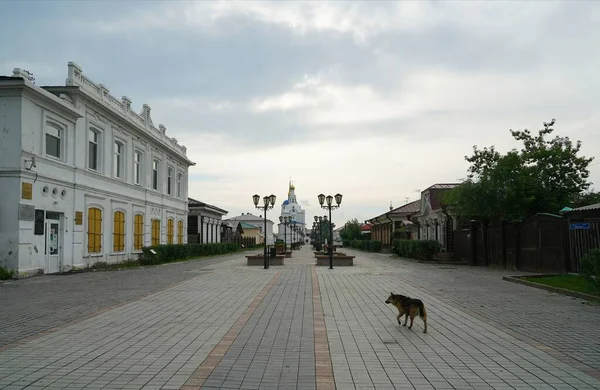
pixel 6 274
pixel 576 283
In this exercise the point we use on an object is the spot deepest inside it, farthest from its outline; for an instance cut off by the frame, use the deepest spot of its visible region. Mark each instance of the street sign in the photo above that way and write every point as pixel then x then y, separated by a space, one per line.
pixel 579 226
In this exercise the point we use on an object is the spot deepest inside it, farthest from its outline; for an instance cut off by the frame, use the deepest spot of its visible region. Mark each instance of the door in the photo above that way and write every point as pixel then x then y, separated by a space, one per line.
pixel 53 242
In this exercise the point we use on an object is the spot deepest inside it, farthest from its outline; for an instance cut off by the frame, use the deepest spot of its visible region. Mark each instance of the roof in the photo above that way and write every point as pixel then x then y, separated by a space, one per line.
pixel 365 228
pixel 196 203
pixel 246 225
pixel 248 217
pixel 442 186
pixel 595 206
pixel 407 209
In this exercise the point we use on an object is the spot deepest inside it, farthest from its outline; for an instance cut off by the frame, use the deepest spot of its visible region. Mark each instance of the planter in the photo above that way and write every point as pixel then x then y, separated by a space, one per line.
pixel 323 260
pixel 287 254
pixel 260 260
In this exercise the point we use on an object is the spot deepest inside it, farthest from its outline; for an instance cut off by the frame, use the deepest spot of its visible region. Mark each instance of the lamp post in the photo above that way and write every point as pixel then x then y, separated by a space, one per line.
pixel 293 233
pixel 268 203
pixel 282 221
pixel 321 231
pixel 328 200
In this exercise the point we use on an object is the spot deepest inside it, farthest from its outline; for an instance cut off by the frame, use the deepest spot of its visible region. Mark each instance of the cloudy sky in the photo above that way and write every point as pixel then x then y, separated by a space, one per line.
pixel 373 100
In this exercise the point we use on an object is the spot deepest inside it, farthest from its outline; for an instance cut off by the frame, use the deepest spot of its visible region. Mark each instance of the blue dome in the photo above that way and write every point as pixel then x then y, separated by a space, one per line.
pixel 286 201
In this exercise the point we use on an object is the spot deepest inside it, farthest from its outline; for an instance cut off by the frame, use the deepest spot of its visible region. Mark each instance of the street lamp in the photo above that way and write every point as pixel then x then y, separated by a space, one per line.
pixel 268 203
pixel 330 206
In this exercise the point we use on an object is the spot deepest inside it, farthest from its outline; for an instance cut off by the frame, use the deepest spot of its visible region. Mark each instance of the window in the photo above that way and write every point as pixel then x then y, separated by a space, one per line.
pixel 94 233
pixel 180 232
pixel 137 162
pixel 119 232
pixel 155 174
pixel 179 177
pixel 93 139
pixel 170 228
pixel 53 140
pixel 138 232
pixel 155 232
pixel 118 160
pixel 170 181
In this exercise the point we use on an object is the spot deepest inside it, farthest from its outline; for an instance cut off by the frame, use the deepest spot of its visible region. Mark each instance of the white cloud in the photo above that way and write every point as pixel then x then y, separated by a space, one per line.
pixel 426 90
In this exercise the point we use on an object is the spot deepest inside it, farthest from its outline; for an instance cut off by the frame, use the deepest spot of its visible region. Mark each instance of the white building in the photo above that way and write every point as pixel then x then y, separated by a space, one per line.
pixel 83 177
pixel 204 222
pixel 291 207
pixel 254 220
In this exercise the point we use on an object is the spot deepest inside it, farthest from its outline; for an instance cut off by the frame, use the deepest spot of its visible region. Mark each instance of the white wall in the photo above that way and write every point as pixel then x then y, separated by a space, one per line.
pixel 69 183
pixel 10 162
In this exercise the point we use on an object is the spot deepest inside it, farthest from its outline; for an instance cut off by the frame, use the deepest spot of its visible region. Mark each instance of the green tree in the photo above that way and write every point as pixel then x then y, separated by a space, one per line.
pixel 351 230
pixel 543 176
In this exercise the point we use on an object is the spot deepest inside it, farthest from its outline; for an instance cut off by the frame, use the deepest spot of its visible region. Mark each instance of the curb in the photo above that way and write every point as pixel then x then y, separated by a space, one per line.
pixel 564 291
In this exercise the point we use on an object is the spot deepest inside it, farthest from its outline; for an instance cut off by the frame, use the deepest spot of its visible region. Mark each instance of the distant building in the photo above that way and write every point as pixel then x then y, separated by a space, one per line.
pixel 382 226
pixel 434 221
pixel 204 222
pixel 83 177
pixel 257 221
pixel 291 207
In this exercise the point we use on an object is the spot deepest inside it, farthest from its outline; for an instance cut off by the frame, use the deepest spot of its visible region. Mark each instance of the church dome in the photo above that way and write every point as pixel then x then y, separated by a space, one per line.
pixel 286 202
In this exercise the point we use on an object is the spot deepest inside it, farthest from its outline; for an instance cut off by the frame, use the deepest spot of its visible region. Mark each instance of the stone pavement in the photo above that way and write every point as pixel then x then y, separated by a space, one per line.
pixel 222 324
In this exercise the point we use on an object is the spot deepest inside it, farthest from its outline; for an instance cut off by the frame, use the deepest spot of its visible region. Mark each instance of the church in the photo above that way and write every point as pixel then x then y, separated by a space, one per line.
pixel 291 207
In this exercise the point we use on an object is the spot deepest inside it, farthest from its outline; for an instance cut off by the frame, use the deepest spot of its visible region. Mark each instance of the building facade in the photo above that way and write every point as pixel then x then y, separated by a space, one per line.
pixel 434 221
pixel 383 226
pixel 204 222
pixel 291 208
pixel 84 178
pixel 258 222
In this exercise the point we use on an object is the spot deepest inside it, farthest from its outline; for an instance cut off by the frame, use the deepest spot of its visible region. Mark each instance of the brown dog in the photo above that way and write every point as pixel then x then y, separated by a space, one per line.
pixel 409 307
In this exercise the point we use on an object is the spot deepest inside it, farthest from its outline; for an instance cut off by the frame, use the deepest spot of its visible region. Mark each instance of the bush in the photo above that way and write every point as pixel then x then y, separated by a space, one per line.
pixel 416 249
pixel 174 252
pixel 590 268
pixel 6 274
pixel 366 245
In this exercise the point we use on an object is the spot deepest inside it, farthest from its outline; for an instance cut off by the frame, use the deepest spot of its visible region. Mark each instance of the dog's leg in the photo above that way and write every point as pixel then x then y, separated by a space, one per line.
pixel 405 319
pixel 398 318
pixel 412 317
pixel 424 317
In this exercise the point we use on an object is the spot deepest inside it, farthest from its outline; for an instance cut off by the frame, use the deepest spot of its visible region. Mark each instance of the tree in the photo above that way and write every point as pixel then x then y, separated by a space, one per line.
pixel 544 176
pixel 351 230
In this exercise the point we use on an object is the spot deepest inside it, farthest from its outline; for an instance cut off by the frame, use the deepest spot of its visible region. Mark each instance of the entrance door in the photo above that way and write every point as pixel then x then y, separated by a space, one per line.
pixel 53 242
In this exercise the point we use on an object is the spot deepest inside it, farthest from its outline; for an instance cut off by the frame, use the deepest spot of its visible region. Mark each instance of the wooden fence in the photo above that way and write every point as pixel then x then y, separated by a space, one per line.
pixel 538 244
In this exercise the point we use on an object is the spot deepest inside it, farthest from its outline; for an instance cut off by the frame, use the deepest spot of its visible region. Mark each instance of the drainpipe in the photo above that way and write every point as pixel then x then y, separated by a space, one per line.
pixel 391 227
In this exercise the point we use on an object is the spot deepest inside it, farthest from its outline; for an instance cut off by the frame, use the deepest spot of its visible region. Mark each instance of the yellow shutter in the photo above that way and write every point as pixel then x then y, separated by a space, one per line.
pixel 180 232
pixel 119 231
pixel 138 232
pixel 155 232
pixel 94 234
pixel 170 228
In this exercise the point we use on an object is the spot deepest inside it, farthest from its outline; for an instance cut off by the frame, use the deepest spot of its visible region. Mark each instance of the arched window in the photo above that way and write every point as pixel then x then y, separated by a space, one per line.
pixel 138 232
pixel 155 232
pixel 180 232
pixel 170 230
pixel 119 231
pixel 94 233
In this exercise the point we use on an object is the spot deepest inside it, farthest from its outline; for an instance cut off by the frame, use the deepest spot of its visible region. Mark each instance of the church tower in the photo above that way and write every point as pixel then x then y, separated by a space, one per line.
pixel 291 208
pixel 292 193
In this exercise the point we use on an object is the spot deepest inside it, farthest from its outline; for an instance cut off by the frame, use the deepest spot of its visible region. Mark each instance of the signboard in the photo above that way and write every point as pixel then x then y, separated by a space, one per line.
pixel 579 225
pixel 78 217
pixel 26 212
pixel 26 191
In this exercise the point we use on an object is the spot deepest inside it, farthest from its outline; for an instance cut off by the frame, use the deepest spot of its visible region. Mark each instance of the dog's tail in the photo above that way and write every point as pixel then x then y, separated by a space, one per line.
pixel 422 312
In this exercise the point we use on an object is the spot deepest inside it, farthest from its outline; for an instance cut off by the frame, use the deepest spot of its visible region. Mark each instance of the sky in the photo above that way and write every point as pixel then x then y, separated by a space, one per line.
pixel 374 100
